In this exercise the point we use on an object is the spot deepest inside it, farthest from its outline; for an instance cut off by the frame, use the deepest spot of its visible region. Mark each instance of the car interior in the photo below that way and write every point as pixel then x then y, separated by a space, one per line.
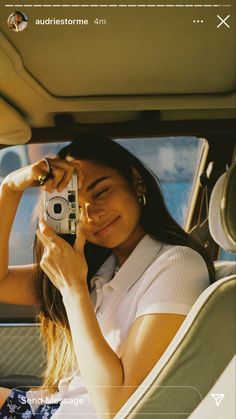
pixel 161 80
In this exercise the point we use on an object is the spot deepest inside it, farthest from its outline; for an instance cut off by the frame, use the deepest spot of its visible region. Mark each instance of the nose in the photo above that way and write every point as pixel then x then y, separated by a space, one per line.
pixel 93 213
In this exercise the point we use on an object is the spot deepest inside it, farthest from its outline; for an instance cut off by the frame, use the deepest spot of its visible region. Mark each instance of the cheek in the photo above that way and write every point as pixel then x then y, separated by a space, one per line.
pixel 131 209
pixel 124 204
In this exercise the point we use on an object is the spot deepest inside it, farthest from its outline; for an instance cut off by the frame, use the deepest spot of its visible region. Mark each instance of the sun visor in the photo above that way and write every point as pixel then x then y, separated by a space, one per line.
pixel 13 129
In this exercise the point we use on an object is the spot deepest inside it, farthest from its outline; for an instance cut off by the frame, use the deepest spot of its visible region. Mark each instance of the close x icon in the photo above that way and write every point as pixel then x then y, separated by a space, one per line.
pixel 223 21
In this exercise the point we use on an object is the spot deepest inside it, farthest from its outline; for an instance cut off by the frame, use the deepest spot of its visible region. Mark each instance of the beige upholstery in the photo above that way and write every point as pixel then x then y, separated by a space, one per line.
pixel 224 268
pixel 204 346
pixel 223 407
pixel 222 218
pixel 13 128
pixel 198 354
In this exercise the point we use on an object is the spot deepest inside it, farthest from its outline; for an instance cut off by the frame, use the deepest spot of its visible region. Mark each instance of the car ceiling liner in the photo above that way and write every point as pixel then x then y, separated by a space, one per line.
pixel 13 128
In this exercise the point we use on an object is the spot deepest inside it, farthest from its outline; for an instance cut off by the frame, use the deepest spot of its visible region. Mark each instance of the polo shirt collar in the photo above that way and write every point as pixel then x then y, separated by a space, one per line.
pixel 105 272
pixel 141 257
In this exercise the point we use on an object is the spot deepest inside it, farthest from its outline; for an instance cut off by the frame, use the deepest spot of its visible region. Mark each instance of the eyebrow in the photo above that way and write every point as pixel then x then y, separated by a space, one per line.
pixel 95 183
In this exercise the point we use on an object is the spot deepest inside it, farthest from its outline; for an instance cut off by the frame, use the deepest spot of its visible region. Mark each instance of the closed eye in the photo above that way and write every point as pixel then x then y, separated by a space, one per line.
pixel 101 192
pixel 97 195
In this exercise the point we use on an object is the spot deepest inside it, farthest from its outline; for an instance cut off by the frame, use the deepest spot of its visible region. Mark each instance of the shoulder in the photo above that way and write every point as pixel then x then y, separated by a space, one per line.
pixel 177 266
pixel 180 257
pixel 168 261
pixel 173 281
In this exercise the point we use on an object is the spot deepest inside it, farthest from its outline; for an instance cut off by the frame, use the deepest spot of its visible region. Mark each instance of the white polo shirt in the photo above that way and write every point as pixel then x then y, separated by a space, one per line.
pixel 156 278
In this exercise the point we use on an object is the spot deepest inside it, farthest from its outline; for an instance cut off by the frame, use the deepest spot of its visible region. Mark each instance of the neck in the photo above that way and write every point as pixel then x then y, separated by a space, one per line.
pixel 123 251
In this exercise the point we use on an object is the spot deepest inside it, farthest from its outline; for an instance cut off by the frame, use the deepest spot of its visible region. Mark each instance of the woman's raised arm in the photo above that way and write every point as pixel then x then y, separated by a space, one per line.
pixel 17 284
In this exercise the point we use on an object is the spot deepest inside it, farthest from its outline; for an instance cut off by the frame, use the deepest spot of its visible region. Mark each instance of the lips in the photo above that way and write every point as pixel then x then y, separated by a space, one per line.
pixel 105 228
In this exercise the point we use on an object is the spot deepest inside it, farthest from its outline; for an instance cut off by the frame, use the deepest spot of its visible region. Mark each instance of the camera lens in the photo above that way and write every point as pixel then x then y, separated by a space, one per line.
pixel 57 208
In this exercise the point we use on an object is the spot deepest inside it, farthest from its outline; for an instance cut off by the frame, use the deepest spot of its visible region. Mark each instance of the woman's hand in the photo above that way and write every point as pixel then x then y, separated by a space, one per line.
pixel 65 265
pixel 29 176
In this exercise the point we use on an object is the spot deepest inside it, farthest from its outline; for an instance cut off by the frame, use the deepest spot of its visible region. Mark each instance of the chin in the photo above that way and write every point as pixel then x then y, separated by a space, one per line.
pixel 108 242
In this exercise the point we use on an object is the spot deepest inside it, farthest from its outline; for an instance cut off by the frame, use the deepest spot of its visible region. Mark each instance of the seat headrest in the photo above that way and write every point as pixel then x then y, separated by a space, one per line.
pixel 222 210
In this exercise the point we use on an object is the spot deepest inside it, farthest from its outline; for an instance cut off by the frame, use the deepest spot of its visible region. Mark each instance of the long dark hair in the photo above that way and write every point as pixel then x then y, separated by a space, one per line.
pixel 155 220
pixel 155 217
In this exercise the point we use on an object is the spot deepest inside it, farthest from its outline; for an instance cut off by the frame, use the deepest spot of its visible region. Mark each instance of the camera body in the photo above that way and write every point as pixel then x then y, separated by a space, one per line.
pixel 61 209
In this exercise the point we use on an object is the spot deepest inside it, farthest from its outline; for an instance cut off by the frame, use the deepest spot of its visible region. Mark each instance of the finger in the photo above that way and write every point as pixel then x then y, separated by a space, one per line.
pixel 63 164
pixel 58 172
pixel 76 165
pixel 46 241
pixel 58 176
pixel 48 185
pixel 80 178
pixel 46 234
pixel 77 169
pixel 79 172
pixel 62 172
pixel 66 179
pixel 41 237
pixel 40 172
pixel 80 239
pixel 47 270
pixel 59 181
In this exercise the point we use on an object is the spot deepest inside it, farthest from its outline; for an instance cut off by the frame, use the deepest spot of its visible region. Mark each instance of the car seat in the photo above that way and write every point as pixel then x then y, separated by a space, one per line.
pixel 201 355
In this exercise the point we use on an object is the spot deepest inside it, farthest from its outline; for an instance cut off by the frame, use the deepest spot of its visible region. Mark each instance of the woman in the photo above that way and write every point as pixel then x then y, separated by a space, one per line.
pixel 17 21
pixel 121 291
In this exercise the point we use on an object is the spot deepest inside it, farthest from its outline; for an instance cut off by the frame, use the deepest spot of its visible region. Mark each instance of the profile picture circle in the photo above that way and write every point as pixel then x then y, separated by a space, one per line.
pixel 17 21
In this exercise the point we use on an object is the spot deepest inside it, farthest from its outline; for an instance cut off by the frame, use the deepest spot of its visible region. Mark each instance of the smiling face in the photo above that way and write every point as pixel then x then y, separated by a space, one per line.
pixel 109 207
pixel 17 18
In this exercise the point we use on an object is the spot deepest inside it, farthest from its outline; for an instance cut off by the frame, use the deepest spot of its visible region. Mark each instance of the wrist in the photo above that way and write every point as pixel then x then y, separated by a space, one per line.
pixel 78 293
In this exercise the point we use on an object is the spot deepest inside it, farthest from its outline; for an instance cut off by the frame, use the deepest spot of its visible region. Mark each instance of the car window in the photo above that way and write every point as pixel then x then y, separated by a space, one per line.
pixel 173 159
pixel 227 255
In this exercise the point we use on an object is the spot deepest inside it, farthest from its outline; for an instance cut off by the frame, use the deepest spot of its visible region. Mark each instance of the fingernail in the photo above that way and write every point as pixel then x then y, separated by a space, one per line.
pixel 37 232
pixel 41 222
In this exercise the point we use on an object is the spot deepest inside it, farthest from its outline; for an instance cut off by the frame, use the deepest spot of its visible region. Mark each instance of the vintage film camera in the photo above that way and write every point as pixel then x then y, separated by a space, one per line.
pixel 61 209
